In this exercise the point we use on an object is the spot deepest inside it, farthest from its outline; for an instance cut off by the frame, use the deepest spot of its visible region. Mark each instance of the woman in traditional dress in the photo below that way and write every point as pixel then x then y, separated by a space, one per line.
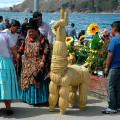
pixel 8 81
pixel 36 65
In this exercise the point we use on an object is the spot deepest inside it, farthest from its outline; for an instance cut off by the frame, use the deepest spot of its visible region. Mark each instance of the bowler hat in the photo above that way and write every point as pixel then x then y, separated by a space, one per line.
pixel 32 23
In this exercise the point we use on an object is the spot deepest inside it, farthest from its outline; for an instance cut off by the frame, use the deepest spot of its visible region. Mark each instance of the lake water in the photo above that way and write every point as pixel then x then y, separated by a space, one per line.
pixel 82 21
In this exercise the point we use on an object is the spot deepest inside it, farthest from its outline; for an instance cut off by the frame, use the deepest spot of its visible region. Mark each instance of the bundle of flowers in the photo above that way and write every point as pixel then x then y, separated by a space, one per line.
pixel 97 58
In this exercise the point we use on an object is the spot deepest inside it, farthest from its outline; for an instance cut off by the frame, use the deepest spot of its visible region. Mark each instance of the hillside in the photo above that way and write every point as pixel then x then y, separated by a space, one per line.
pixel 71 5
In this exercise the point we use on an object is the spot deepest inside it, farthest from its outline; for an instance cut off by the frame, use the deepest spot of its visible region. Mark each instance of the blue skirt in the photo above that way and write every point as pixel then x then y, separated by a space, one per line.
pixel 36 95
pixel 8 80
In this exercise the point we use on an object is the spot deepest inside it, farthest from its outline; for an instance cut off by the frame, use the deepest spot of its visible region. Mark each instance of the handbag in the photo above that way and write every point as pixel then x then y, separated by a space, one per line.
pixel 40 74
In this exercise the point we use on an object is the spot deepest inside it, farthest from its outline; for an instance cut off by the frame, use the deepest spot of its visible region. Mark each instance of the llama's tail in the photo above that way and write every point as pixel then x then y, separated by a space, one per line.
pixel 84 64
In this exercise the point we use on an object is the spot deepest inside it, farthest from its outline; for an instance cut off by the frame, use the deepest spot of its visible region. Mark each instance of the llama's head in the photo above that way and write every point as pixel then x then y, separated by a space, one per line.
pixel 60 26
pixel 62 22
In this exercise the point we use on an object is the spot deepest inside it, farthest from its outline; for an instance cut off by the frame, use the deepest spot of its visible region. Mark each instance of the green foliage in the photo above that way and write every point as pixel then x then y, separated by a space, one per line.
pixel 65 5
pixel 105 5
pixel 71 48
pixel 82 6
pixel 81 52
pixel 102 5
pixel 91 5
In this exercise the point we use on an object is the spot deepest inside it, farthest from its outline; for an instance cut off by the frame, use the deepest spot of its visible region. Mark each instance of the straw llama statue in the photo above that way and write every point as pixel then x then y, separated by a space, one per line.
pixel 65 79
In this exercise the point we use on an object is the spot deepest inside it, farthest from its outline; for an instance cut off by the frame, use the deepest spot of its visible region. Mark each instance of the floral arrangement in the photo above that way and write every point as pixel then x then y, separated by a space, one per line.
pixel 71 48
pixel 97 58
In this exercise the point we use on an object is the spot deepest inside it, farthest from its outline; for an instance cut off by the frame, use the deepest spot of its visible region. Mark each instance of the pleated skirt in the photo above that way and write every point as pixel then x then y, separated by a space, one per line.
pixel 36 95
pixel 8 80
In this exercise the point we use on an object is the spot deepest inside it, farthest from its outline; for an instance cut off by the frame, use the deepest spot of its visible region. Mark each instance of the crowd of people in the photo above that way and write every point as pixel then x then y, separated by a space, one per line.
pixel 25 50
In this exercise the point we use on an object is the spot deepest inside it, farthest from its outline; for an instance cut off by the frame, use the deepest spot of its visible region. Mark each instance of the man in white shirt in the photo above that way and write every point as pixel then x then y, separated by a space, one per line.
pixel 14 36
pixel 12 31
pixel 44 28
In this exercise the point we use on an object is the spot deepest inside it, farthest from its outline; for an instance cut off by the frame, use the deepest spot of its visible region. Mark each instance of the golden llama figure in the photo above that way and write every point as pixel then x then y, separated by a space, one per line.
pixel 65 79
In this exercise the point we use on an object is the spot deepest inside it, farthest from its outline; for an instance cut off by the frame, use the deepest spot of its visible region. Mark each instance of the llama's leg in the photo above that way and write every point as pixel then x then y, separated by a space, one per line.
pixel 82 96
pixel 53 96
pixel 63 100
pixel 72 96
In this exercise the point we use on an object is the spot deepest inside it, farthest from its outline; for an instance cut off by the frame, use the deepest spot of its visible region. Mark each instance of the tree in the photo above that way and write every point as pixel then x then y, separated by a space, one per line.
pixel 114 4
pixel 65 5
pixel 91 5
pixel 10 9
pixel 82 6
pixel 98 6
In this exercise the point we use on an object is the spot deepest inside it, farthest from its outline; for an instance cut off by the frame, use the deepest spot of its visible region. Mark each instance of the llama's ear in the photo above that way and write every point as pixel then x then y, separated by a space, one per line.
pixel 62 13
pixel 66 17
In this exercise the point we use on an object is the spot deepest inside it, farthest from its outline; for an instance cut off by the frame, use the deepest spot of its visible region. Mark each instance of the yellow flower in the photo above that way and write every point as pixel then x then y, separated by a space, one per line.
pixel 82 38
pixel 90 63
pixel 55 31
pixel 95 72
pixel 69 40
pixel 92 29
pixel 88 58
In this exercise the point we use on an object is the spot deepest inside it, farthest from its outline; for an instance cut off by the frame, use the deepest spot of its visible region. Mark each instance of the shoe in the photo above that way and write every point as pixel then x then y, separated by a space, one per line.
pixel 9 112
pixel 109 111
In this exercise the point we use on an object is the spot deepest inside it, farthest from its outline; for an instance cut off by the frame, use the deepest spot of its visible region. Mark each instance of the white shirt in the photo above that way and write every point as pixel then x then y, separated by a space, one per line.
pixel 13 36
pixel 3 46
pixel 47 31
pixel 2 26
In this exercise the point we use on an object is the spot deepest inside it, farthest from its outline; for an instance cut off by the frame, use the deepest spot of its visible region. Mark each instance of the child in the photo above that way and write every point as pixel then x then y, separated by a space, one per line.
pixel 113 70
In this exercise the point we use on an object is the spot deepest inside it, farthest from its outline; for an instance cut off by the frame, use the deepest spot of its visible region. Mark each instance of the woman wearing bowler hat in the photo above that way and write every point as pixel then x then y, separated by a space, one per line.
pixel 36 65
